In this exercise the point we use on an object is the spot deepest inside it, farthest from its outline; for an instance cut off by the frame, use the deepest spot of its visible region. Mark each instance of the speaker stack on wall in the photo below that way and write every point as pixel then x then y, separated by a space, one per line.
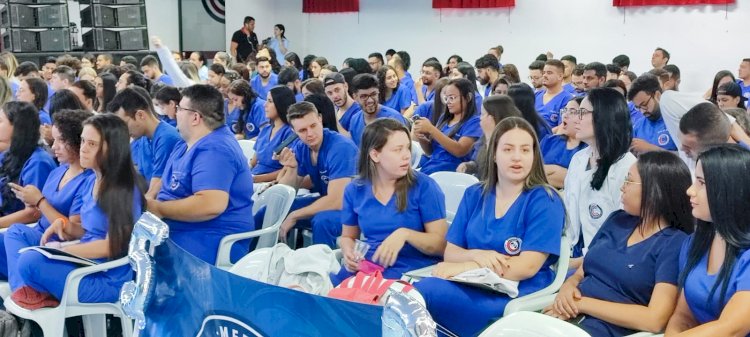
pixel 114 24
pixel 34 25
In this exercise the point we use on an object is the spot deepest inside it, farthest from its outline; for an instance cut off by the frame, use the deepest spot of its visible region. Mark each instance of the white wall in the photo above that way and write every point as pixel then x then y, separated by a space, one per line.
pixel 701 39
pixel 163 21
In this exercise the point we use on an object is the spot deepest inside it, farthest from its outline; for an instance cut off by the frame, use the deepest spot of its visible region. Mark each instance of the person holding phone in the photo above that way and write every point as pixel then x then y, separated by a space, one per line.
pixel 265 167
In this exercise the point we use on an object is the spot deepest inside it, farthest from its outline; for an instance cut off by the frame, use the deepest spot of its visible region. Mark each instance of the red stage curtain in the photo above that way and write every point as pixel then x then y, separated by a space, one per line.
pixel 330 6
pixel 472 3
pixel 628 3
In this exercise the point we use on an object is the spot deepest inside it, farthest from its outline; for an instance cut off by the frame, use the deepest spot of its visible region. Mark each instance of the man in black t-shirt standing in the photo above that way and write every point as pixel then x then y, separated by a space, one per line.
pixel 244 41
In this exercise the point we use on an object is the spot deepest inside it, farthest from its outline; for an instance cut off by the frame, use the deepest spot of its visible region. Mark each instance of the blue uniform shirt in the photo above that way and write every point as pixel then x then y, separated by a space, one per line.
pixel 399 100
pixel 555 151
pixel 166 119
pixel 35 171
pixel 66 200
pixel 164 78
pixel 264 146
pixel 254 120
pixel 441 159
pixel 654 132
pixel 478 101
pixel 93 220
pixel 424 109
pixel 408 82
pixel 140 152
pixel 44 117
pixel 346 118
pixel 164 140
pixel 745 90
pixel 215 162
pixel 428 96
pixel 616 272
pixel 337 158
pixel 357 123
pixel 50 94
pixel 551 110
pixel 262 90
pixel 635 114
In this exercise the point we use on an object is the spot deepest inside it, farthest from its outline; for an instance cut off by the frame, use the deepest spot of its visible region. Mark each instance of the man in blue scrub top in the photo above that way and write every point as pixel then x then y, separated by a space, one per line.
pixel 289 77
pixel 743 78
pixel 570 63
pixel 536 70
pixel 594 75
pixel 151 68
pixel 401 61
pixel 552 99
pixel 488 71
pixel 337 91
pixel 265 79
pixel 432 71
pixel 365 88
pixel 649 133
pixel 136 109
pixel 207 190
pixel 329 160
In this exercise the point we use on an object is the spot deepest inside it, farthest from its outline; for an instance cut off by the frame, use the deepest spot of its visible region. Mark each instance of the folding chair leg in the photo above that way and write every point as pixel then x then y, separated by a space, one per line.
pixel 95 325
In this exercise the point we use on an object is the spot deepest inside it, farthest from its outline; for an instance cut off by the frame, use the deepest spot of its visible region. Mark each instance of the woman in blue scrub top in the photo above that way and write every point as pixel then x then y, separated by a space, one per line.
pixel 523 96
pixel 392 93
pixel 511 222
pixel 111 204
pixel 450 141
pixel 265 167
pixel 466 70
pixel 714 262
pixel 401 212
pixel 559 149
pixel 22 160
pixel 248 114
pixel 628 280
pixel 34 90
pixel 61 196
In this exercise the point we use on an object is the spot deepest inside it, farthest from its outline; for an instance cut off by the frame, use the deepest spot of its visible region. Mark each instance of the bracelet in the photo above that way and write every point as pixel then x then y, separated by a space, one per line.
pixel 40 201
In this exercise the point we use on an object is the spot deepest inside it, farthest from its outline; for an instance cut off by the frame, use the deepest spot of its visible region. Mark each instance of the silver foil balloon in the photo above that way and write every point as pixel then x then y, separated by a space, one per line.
pixel 403 316
pixel 148 233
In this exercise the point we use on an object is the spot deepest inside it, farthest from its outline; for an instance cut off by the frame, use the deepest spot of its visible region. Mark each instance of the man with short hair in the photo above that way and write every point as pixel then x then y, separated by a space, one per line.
pixel 497 52
pixel 743 78
pixel 594 75
pixel 365 88
pixel 244 43
pixel 704 125
pixel 337 90
pixel 389 54
pixel 536 69
pixel 613 72
pixel 26 69
pixel 151 68
pixel 86 93
pixel 103 60
pixel 576 79
pixel 376 61
pixel 289 77
pixel 650 132
pixel 659 58
pixel 48 67
pixel 673 75
pixel 206 193
pixel 622 61
pixel 133 105
pixel 570 63
pixel 431 72
pixel 550 100
pixel 488 71
pixel 128 59
pixel 329 160
pixel 401 62
pixel 265 79
pixel 62 78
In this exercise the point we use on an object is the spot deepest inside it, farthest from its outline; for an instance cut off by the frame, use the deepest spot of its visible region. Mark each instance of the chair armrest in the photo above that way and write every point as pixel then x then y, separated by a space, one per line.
pixel 70 294
pixel 528 303
pixel 225 246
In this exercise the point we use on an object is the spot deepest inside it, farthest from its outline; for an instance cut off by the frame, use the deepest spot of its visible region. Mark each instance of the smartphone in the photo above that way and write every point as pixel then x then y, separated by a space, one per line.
pixel 415 118
pixel 285 143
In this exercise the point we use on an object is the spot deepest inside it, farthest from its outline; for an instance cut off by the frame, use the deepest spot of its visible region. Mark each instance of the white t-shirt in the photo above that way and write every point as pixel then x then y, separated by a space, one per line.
pixel 588 208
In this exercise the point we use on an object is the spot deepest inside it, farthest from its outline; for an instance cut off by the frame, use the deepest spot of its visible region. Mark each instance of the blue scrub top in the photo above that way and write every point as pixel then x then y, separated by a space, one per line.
pixel 699 284
pixel 337 158
pixel 408 82
pixel 551 111
pixel 35 171
pixel 534 222
pixel 399 100
pixel 635 114
pixel 264 146
pixel 654 132
pixel 346 118
pixel 215 162
pixel 164 140
pixel 14 85
pixel 66 200
pixel 745 90
pixel 616 272
pixel 93 220
pixel 428 96
pixel 44 117
pixel 254 119
pixel 478 101
pixel 357 123
pixel 555 150
pixel 425 204
pixel 140 152
pixel 164 78
pixel 569 88
pixel 441 159
pixel 424 110
pixel 166 119
pixel 50 94
pixel 257 83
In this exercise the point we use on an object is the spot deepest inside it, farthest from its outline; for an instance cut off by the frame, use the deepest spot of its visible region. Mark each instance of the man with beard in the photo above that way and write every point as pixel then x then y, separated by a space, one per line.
pixel 337 91
pixel 535 75
pixel 265 79
pixel 365 88
pixel 431 72
pixel 649 133
pixel 488 70
pixel 570 63
pixel 550 100
pixel 594 75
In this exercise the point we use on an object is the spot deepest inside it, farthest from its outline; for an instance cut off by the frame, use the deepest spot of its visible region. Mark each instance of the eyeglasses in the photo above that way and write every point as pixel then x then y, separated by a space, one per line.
pixel 449 99
pixel 186 109
pixel 643 106
pixel 579 112
pixel 374 95
pixel 628 181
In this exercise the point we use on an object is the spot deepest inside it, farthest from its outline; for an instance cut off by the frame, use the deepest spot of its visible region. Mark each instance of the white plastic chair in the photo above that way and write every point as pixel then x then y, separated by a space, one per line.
pixel 532 324
pixel 453 185
pixel 416 153
pixel 247 148
pixel 278 201
pixel 52 320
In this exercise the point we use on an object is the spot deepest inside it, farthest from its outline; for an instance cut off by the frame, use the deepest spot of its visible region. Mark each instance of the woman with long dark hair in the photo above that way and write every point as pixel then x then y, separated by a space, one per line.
pixel 60 196
pixel 113 201
pixel 35 91
pixel 248 115
pixel 466 70
pixel 279 44
pixel 105 90
pixel 450 141
pixel 511 222
pixel 592 184
pixel 714 261
pixel 628 280
pixel 392 93
pixel 721 77
pixel 291 59
pixel 132 77
pixel 523 96
pixel 559 149
pixel 265 167
pixel 22 161
pixel 401 212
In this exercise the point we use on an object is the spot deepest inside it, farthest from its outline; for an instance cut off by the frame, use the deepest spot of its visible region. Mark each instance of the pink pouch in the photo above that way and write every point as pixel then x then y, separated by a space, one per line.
pixel 369 268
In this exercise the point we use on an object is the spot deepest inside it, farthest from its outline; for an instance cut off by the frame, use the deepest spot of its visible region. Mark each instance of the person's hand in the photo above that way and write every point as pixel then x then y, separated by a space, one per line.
pixel 46 133
pixel 29 194
pixel 56 228
pixel 387 252
pixel 565 302
pixel 287 158
pixel 461 168
pixel 423 126
pixel 490 259
pixel 641 146
pixel 446 270
pixel 549 55
pixel 418 84
pixel 351 263
pixel 152 206
pixel 156 41
pixel 286 226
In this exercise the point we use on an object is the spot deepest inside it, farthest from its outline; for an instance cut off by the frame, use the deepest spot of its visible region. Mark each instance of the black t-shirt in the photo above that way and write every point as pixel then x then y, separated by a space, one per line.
pixel 246 44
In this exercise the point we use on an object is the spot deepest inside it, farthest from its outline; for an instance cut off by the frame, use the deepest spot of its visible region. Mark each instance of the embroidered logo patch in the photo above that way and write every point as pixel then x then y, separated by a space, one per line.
pixel 250 127
pixel 595 211
pixel 663 139
pixel 513 245
pixel 174 183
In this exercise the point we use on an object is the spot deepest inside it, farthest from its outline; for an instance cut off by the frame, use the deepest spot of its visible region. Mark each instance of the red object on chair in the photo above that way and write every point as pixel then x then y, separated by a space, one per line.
pixel 472 3
pixel 330 6
pixel 631 3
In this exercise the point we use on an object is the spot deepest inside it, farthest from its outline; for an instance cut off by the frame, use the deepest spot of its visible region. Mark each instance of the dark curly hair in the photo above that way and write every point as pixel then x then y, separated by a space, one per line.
pixel 70 124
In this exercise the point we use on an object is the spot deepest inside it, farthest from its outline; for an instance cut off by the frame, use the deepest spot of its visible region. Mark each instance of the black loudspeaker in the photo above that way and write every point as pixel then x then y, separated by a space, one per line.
pixel 37 2
pixel 25 16
pixel 98 15
pixel 108 39
pixel 21 40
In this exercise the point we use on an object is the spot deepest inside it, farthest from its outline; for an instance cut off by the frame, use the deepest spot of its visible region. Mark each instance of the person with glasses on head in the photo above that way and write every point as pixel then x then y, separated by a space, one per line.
pixel 206 193
pixel 592 184
pixel 552 98
pixel 649 133
pixel 365 88
pixel 451 140
pixel 558 149
pixel 629 278
pixel 536 70
pixel 244 43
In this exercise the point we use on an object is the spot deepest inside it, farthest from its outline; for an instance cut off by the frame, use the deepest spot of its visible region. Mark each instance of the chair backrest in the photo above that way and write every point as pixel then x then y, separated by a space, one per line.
pixel 453 185
pixel 533 324
pixel 416 153
pixel 247 148
pixel 278 201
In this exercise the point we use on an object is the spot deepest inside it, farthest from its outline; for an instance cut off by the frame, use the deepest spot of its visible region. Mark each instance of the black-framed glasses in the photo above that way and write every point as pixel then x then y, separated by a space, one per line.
pixel 186 109
pixel 580 112
pixel 643 106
